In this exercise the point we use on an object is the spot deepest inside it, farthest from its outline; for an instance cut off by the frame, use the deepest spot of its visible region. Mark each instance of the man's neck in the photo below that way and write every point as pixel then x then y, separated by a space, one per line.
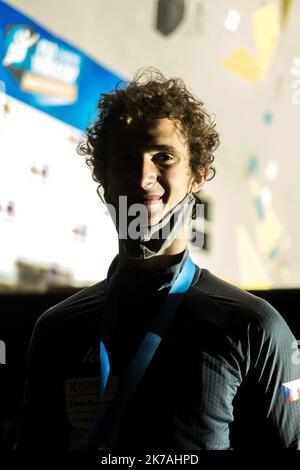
pixel 161 260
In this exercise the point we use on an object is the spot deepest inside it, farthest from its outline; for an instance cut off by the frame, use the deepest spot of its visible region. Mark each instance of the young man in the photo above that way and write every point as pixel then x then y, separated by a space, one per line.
pixel 187 361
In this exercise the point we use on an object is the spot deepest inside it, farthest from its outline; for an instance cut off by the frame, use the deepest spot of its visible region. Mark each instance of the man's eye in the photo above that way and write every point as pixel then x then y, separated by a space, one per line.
pixel 123 159
pixel 163 157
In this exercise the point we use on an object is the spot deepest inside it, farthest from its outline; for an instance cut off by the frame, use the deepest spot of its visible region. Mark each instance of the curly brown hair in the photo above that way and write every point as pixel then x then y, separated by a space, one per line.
pixel 151 96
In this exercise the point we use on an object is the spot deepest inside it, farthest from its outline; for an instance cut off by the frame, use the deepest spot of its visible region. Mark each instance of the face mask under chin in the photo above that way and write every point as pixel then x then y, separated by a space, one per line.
pixel 160 236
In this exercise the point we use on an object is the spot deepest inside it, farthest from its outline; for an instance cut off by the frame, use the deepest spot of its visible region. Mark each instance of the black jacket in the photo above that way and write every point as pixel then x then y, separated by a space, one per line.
pixel 214 383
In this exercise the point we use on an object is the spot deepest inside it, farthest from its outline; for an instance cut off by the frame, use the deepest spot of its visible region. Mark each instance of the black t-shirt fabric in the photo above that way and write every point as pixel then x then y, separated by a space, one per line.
pixel 215 382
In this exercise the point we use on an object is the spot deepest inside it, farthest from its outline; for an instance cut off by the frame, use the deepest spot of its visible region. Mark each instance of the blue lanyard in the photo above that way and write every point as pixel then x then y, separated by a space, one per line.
pixel 105 427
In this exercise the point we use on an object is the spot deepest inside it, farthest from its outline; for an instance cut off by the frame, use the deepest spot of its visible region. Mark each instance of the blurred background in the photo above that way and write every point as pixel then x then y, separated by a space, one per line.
pixel 241 58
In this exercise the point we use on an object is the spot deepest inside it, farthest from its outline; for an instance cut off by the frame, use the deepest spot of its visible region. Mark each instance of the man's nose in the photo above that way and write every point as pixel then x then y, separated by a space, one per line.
pixel 148 173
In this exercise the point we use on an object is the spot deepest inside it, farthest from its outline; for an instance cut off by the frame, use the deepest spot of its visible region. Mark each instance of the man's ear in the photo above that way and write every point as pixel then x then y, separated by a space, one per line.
pixel 197 184
pixel 199 179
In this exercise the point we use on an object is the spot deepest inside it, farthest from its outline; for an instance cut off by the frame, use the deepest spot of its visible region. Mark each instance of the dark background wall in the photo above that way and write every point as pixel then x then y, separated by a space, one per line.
pixel 18 314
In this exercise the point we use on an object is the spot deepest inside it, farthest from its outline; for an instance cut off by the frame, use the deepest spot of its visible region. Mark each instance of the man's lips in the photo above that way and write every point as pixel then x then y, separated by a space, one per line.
pixel 145 199
pixel 149 200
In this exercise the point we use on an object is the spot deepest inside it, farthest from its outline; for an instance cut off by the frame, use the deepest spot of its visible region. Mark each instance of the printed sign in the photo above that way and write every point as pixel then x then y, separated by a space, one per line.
pixel 47 72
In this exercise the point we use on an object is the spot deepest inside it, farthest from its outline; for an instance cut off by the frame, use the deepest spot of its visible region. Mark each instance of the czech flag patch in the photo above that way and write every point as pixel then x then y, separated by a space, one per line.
pixel 291 391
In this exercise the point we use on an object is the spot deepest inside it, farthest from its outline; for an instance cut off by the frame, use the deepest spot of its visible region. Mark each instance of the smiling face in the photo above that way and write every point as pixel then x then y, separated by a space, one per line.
pixel 149 163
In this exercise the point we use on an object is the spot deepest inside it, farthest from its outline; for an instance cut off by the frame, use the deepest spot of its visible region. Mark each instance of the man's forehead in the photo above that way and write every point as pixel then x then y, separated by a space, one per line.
pixel 148 133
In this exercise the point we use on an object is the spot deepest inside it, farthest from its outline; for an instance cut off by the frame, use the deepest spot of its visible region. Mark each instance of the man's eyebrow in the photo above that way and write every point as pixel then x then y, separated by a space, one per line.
pixel 120 151
pixel 163 148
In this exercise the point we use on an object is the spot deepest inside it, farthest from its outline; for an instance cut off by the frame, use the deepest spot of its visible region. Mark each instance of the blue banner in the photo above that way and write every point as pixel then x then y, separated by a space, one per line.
pixel 47 73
